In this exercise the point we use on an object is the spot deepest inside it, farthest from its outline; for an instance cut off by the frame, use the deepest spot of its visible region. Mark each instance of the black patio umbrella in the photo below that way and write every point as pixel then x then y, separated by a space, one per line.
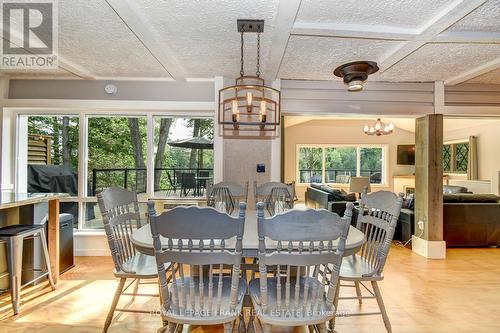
pixel 198 142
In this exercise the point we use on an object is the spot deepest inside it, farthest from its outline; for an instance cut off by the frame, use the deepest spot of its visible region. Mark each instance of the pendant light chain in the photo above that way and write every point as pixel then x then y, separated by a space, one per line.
pixel 242 71
pixel 258 55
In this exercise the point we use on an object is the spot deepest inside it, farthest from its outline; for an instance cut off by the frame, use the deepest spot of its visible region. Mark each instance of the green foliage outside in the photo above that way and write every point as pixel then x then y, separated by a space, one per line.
pixel 111 146
pixel 338 161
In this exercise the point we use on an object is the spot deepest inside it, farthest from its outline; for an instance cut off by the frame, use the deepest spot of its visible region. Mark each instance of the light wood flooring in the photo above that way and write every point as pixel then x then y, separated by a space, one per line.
pixel 459 294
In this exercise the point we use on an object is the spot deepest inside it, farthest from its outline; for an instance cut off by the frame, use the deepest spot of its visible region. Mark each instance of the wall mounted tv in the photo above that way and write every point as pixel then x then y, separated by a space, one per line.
pixel 406 154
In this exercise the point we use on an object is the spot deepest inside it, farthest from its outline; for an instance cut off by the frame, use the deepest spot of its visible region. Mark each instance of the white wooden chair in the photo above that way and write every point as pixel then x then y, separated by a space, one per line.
pixel 224 196
pixel 300 292
pixel 201 291
pixel 120 215
pixel 277 197
pixel 377 218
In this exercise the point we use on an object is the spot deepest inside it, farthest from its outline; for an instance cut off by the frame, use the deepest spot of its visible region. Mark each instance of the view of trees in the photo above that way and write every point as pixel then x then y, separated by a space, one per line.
pixel 120 142
pixel 338 161
pixel 64 131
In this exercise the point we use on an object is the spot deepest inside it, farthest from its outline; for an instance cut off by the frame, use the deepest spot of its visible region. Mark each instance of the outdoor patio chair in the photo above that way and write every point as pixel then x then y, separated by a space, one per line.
pixel 188 182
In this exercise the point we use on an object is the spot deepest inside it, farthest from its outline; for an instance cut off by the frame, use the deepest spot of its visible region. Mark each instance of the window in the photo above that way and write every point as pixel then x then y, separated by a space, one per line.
pixel 310 165
pixel 99 151
pixel 179 169
pixel 371 164
pixel 456 157
pixel 340 164
pixel 336 164
pixel 51 155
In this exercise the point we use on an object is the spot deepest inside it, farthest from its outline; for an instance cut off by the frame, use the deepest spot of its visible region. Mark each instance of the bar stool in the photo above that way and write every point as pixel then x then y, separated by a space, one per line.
pixel 14 236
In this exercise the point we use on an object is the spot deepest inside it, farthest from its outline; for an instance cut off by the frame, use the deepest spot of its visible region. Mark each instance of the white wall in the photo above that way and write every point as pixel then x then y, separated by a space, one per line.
pixel 327 131
pixel 488 151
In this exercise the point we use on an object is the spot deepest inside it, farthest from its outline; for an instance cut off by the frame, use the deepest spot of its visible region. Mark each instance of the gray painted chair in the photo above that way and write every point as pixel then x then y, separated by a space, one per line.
pixel 224 196
pixel 120 214
pixel 300 292
pixel 378 222
pixel 201 292
pixel 277 197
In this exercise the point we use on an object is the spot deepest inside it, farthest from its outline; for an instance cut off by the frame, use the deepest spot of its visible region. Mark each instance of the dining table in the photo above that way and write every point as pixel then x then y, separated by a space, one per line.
pixel 143 240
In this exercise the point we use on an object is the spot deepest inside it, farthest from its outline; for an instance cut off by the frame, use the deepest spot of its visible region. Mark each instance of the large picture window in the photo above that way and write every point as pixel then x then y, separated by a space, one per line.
pixel 88 152
pixel 336 164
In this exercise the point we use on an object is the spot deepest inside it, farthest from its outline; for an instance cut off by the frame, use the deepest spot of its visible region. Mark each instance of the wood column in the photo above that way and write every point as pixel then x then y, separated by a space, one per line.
pixel 429 178
pixel 53 242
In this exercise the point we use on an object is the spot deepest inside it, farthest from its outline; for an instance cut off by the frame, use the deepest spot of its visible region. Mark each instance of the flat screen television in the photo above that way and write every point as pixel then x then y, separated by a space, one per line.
pixel 406 154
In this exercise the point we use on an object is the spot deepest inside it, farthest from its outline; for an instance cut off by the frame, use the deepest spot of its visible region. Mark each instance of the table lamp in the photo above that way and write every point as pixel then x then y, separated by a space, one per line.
pixel 358 184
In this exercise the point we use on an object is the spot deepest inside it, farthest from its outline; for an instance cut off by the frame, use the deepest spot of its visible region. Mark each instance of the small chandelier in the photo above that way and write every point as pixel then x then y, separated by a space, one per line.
pixel 249 106
pixel 379 128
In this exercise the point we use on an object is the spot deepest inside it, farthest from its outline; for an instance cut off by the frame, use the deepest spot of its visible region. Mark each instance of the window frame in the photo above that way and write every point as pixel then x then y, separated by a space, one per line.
pixel 323 146
pixel 453 171
pixel 84 115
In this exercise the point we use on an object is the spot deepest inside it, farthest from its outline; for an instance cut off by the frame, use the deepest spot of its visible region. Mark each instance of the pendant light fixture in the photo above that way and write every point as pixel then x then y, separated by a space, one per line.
pixel 249 107
pixel 379 128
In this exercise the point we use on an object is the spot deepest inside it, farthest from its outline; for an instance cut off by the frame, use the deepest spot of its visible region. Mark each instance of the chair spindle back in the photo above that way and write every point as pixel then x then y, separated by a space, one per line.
pixel 377 218
pixel 307 242
pixel 196 247
pixel 120 215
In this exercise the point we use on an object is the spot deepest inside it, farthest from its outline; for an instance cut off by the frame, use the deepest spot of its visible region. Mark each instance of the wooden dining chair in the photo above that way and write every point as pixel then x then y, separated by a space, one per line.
pixel 120 215
pixel 293 247
pixel 225 196
pixel 206 287
pixel 276 196
pixel 377 218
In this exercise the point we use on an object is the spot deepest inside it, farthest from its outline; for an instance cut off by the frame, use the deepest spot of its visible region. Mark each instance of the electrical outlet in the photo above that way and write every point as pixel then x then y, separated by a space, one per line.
pixel 420 225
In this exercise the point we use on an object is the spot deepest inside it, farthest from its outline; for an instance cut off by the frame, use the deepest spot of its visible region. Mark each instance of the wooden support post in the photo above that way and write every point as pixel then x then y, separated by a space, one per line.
pixel 53 243
pixel 429 186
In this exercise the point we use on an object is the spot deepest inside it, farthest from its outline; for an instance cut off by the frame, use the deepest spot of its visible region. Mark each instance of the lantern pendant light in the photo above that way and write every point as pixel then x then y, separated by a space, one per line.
pixel 249 108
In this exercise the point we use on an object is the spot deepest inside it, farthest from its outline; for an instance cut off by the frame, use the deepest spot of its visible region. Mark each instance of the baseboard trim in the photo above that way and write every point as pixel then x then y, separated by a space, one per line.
pixel 429 249
pixel 94 244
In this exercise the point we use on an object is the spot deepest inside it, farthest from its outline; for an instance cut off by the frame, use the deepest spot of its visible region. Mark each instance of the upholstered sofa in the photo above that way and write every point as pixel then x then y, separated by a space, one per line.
pixel 469 220
pixel 324 196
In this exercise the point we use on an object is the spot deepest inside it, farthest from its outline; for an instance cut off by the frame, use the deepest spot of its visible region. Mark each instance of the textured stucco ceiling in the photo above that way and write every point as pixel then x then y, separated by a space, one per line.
pixel 400 13
pixel 435 62
pixel 100 41
pixel 485 18
pixel 204 36
pixel 91 35
pixel 323 54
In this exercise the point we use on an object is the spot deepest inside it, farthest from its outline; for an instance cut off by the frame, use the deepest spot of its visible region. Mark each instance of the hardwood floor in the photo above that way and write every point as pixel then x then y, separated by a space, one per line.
pixel 459 294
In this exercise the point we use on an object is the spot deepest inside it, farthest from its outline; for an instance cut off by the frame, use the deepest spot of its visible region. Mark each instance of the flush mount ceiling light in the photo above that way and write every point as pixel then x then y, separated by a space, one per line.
pixel 249 107
pixel 356 73
pixel 379 128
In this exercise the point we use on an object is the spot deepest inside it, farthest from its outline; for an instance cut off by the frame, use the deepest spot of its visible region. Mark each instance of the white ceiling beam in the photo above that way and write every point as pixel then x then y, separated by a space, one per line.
pixel 353 31
pixel 148 36
pixel 472 73
pixel 440 22
pixel 485 37
pixel 283 24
